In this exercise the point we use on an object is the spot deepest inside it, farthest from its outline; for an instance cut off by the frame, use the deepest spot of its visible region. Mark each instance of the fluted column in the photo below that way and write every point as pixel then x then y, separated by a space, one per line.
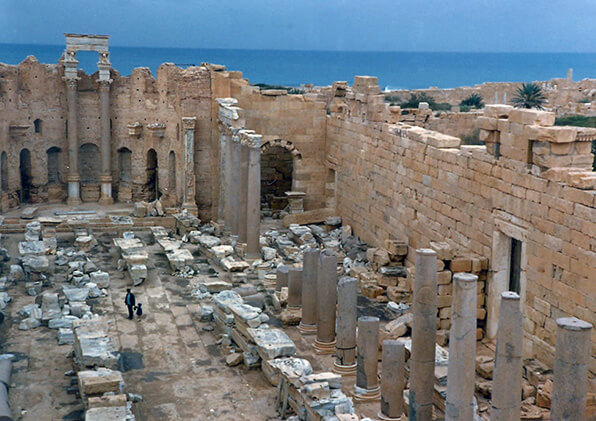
pixel 106 143
pixel 74 179
pixel 189 202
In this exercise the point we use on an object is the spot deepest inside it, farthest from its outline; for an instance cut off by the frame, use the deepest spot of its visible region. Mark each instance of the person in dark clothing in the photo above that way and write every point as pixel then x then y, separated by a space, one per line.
pixel 130 303
pixel 139 310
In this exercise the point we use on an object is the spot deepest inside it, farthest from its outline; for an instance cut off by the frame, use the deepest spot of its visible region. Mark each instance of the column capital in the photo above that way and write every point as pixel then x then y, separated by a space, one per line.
pixel 71 82
pixel 189 123
pixel 104 83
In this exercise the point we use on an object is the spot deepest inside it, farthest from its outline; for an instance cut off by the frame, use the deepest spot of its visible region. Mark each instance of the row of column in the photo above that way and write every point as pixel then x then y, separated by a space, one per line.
pixel 241 187
pixel 71 80
pixel 318 290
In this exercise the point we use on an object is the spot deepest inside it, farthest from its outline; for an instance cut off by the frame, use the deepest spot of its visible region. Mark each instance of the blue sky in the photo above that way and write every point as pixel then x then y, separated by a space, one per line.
pixel 364 25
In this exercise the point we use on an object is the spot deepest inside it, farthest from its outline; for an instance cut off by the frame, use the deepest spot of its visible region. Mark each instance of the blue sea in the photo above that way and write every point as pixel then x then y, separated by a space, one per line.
pixel 395 70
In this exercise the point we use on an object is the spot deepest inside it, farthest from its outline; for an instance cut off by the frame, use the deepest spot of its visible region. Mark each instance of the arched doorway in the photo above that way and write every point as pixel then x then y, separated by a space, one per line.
pixel 4 171
pixel 124 175
pixel 25 171
pixel 277 171
pixel 172 176
pixel 151 185
pixel 54 173
pixel 90 170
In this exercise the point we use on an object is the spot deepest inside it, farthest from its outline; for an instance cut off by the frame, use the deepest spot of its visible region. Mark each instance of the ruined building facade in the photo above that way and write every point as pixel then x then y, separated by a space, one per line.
pixel 524 204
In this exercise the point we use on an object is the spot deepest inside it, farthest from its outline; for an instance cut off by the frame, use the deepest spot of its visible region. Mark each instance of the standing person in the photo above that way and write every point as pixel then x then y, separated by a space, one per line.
pixel 139 311
pixel 130 303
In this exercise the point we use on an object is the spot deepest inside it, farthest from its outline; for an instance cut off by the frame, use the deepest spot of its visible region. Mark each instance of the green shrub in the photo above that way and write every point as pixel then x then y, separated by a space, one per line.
pixel 529 95
pixel 576 120
pixel 473 101
pixel 472 139
pixel 288 89
pixel 415 99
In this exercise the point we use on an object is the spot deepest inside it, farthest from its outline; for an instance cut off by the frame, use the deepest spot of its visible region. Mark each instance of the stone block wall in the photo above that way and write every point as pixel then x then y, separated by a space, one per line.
pixel 396 181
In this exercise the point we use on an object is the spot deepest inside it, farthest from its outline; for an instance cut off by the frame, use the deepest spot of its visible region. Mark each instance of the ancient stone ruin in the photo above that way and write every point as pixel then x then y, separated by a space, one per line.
pixel 314 256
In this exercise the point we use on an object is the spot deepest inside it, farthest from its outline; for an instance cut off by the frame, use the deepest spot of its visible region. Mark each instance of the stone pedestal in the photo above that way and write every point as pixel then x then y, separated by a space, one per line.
pixel 347 290
pixel 296 201
pixel 367 379
pixel 424 332
pixel 74 189
pixel 281 277
pixel 310 265
pixel 507 377
pixel 393 380
pixel 189 203
pixel 294 288
pixel 570 371
pixel 105 197
pixel 461 377
pixel 326 304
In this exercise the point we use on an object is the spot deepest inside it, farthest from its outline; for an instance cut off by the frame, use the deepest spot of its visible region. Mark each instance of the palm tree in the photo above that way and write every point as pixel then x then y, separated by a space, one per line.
pixel 529 95
pixel 473 101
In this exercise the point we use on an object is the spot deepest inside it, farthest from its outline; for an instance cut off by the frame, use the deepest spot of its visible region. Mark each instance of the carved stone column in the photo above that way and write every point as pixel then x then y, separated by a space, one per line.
pixel 106 143
pixel 73 177
pixel 243 197
pixel 424 336
pixel 570 370
pixel 189 203
pixel 253 197
pixel 459 404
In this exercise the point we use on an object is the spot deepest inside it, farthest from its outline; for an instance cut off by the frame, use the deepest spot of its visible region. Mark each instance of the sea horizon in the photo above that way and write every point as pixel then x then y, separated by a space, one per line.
pixel 395 69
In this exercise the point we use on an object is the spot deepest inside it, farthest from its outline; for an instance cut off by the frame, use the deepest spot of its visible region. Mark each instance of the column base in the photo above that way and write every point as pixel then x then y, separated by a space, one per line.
pixel 344 370
pixel 74 190
pixel 324 348
pixel 106 191
pixel 191 208
pixel 366 395
pixel 383 417
pixel 307 329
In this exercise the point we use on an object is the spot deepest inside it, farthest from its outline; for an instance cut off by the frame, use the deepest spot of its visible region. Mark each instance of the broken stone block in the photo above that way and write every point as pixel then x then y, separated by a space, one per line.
pixel 138 273
pixel 99 382
pixel 29 323
pixel 38 248
pixel 30 310
pixel 140 210
pixel 290 367
pixel 79 309
pixel 100 278
pixel 268 253
pixel 231 265
pixel 234 359
pixel 108 413
pixel 29 212
pixel 179 259
pixel 62 322
pixel 16 273
pixel 209 241
pixel 94 291
pixel 36 264
pixel 107 401
pixel 93 347
pixel 4 300
pixel 249 315
pixel 396 328
pixel 33 288
pixel 291 316
pixel 84 242
pixel 272 343
pixel 220 252
pixel 50 307
pixel 75 294
pixel 205 313
pixel 65 336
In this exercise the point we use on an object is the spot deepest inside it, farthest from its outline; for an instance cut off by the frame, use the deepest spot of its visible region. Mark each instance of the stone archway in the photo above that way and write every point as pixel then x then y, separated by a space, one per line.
pixel 151 185
pixel 124 175
pixel 278 159
pixel 90 168
pixel 25 172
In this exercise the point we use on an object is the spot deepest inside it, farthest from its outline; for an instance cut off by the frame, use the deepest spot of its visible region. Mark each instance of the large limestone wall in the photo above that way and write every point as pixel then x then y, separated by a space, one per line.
pixel 32 90
pixel 396 181
pixel 295 122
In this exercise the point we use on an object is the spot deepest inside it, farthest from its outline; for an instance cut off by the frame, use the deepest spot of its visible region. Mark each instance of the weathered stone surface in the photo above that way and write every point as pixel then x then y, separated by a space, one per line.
pixel 50 308
pixel 100 278
pixel 75 294
pixel 62 322
pixel 272 343
pixel 65 336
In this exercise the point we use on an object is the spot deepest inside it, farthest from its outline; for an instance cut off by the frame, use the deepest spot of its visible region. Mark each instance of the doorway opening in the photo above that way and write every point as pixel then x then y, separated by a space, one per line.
pixel 25 171
pixel 277 173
